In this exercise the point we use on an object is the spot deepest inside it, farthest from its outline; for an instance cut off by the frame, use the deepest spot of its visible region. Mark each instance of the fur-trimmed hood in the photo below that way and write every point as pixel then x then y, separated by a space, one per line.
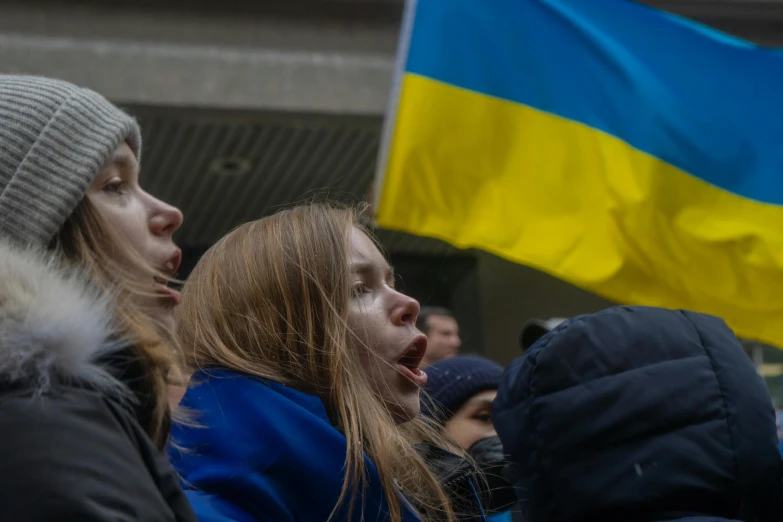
pixel 54 325
pixel 74 444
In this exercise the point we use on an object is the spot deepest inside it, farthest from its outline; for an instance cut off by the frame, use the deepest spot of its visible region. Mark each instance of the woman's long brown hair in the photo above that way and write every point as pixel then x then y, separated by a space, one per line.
pixel 270 300
pixel 88 242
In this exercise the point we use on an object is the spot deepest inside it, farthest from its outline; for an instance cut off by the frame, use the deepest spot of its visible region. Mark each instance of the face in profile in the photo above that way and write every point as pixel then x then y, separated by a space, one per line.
pixel 473 421
pixel 382 324
pixel 145 222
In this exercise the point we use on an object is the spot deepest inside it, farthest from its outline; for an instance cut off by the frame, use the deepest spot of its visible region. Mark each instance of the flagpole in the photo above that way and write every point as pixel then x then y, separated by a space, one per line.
pixel 389 120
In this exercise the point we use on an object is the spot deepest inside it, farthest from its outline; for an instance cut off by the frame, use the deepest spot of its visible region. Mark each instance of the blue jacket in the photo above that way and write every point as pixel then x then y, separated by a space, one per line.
pixel 640 414
pixel 265 452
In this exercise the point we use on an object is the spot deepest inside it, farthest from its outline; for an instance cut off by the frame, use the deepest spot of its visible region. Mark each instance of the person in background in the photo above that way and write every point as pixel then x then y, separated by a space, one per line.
pixel 459 394
pixel 638 413
pixel 779 423
pixel 534 329
pixel 307 379
pixel 442 331
pixel 86 319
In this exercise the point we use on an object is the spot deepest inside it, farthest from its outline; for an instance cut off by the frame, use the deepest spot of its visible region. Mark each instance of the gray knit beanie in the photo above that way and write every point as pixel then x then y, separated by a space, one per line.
pixel 55 138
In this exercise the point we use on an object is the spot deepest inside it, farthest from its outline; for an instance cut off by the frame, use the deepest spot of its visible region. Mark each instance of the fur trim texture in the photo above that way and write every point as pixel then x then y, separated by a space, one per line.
pixel 53 324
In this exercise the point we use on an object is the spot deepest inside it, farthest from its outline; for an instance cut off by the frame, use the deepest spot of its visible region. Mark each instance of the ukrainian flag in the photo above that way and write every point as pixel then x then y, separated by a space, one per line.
pixel 631 152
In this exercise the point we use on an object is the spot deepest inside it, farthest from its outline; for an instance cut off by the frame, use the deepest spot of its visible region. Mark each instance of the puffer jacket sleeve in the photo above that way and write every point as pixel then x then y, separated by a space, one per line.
pixel 78 456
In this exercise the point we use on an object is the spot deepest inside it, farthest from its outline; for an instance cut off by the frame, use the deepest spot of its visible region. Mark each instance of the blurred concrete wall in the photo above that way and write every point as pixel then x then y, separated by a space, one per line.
pixel 310 55
pixel 299 56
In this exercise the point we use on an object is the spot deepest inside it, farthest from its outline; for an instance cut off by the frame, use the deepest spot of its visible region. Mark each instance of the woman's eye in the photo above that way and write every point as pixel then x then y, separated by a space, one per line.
pixel 359 289
pixel 483 417
pixel 115 187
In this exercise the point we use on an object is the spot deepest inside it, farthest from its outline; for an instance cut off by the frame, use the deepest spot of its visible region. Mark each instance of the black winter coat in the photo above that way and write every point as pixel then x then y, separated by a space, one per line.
pixel 71 445
pixel 644 415
pixel 473 493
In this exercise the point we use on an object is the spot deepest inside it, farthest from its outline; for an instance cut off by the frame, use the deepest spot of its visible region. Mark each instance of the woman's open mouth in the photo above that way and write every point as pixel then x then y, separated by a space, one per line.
pixel 408 364
pixel 172 296
pixel 163 287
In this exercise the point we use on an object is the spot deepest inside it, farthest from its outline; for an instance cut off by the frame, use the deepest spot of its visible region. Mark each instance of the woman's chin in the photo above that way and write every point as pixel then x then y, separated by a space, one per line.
pixel 165 317
pixel 404 409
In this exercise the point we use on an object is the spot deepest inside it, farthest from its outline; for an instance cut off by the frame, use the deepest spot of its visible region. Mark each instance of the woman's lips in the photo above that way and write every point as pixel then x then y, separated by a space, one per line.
pixel 415 375
pixel 170 294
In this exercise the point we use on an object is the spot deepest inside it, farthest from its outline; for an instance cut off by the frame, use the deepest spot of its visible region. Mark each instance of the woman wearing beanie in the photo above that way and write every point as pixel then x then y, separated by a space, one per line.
pixel 86 326
pixel 459 395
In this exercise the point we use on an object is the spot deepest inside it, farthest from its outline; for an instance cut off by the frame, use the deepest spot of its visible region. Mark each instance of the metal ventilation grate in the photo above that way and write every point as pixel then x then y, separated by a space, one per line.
pixel 401 243
pixel 223 169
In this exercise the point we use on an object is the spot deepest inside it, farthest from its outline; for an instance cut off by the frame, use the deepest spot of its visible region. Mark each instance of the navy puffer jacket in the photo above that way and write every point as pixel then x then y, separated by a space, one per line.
pixel 640 414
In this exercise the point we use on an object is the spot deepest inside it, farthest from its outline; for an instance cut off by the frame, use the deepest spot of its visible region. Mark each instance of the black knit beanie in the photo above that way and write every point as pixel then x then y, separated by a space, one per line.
pixel 452 382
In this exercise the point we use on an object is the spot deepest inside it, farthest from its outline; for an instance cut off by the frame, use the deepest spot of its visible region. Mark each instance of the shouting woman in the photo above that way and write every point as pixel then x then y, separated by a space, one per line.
pixel 307 378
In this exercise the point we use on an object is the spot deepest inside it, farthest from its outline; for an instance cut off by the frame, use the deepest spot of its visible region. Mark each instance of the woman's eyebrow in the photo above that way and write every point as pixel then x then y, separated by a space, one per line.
pixel 367 268
pixel 362 268
pixel 481 402
pixel 121 160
